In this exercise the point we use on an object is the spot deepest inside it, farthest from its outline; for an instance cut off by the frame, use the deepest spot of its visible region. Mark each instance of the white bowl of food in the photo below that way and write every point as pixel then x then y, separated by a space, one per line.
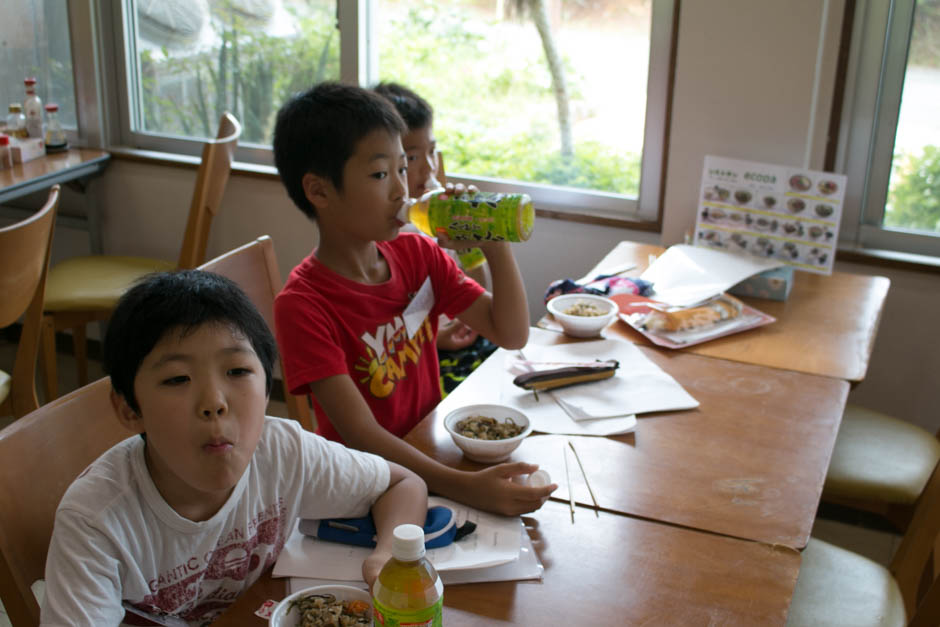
pixel 352 605
pixel 583 315
pixel 487 433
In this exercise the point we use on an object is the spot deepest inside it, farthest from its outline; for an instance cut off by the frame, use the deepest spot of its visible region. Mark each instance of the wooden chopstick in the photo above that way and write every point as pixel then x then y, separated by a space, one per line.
pixel 584 474
pixel 564 452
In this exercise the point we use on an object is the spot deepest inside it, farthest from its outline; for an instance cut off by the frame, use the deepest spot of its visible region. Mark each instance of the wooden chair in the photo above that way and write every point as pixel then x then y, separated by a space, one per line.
pixel 24 263
pixel 880 464
pixel 839 587
pixel 254 268
pixel 85 289
pixel 40 455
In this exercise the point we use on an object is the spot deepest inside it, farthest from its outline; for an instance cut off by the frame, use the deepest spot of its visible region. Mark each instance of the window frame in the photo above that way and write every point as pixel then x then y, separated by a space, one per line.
pixel 359 65
pixel 874 83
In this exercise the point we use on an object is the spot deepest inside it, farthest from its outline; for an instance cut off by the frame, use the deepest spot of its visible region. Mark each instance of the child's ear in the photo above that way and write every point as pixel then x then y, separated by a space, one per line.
pixel 128 417
pixel 316 189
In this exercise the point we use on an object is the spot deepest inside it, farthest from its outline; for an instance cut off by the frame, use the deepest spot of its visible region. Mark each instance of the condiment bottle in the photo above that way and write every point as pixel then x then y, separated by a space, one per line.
pixel 56 141
pixel 477 216
pixel 408 591
pixel 6 155
pixel 32 109
pixel 16 121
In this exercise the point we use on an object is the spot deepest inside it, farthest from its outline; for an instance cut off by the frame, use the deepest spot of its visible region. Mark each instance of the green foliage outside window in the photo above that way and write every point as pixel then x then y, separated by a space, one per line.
pixel 914 194
pixel 251 73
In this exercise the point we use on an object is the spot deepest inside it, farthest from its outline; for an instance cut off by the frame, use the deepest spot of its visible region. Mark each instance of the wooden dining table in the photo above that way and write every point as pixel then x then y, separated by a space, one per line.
pixel 749 462
pixel 827 325
pixel 610 570
pixel 75 167
pixel 701 516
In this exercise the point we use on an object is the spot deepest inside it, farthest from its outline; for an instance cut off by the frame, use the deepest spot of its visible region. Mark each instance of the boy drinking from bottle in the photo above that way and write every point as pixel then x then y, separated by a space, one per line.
pixel 357 320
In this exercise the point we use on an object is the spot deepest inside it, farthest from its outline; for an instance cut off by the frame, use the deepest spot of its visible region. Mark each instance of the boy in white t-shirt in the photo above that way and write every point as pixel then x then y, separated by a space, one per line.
pixel 176 524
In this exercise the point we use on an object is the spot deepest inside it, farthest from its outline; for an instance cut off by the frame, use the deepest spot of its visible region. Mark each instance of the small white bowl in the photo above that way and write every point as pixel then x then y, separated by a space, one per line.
pixel 281 618
pixel 583 326
pixel 487 451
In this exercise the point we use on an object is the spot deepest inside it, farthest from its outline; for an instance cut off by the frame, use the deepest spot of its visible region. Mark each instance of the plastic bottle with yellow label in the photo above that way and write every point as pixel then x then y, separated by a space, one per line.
pixel 408 591
pixel 474 217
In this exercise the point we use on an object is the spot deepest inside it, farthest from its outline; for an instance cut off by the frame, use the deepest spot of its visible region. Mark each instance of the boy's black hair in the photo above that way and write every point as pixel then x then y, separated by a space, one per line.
pixel 414 109
pixel 180 302
pixel 317 132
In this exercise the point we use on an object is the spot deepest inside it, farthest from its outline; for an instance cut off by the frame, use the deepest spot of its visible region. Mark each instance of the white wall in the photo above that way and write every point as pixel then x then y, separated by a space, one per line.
pixel 752 82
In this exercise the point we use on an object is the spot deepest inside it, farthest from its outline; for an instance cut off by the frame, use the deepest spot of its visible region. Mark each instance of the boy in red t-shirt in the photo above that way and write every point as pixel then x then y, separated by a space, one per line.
pixel 357 319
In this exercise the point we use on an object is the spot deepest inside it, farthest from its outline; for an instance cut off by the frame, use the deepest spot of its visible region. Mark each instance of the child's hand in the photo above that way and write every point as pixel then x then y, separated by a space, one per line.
pixel 372 565
pixel 493 490
pixel 454 335
pixel 456 190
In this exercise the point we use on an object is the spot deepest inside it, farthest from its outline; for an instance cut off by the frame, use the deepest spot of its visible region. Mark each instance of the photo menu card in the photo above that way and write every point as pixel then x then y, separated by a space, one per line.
pixel 771 211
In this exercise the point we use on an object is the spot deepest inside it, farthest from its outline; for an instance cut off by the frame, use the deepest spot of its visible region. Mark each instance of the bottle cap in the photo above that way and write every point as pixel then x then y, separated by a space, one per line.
pixel 408 543
pixel 4 140
pixel 52 107
pixel 29 81
pixel 539 479
pixel 16 107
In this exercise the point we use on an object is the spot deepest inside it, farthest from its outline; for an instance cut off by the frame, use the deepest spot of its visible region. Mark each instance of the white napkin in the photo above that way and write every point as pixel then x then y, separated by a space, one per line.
pixel 638 385
pixel 495 541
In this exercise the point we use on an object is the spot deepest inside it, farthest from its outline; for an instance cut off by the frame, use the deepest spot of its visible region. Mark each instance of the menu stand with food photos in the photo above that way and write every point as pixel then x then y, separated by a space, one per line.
pixel 771 211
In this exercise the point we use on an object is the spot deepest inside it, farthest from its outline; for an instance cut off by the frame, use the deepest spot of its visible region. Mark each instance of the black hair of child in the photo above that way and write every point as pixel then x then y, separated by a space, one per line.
pixel 317 132
pixel 415 110
pixel 178 302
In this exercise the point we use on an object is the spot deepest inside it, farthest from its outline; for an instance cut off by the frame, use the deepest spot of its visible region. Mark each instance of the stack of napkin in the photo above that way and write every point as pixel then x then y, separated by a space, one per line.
pixel 605 407
pixel 499 549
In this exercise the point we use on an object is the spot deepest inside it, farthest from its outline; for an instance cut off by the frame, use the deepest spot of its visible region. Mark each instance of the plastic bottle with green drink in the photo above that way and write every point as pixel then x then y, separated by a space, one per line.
pixel 474 217
pixel 408 591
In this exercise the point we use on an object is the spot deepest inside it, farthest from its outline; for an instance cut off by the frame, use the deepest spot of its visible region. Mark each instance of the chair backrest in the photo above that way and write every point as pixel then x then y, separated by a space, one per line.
pixel 24 261
pixel 912 559
pixel 254 268
pixel 40 455
pixel 217 157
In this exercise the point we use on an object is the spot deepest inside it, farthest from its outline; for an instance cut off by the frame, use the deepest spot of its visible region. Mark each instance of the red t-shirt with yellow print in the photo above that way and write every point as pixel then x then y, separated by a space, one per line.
pixel 329 325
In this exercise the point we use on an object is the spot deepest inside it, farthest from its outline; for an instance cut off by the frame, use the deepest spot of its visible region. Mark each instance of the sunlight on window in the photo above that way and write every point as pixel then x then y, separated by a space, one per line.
pixel 34 35
pixel 542 91
pixel 914 189
pixel 199 58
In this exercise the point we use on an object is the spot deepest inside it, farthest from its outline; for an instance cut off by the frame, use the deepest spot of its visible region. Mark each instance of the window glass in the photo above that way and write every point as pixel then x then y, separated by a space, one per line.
pixel 34 35
pixel 199 58
pixel 493 73
pixel 914 188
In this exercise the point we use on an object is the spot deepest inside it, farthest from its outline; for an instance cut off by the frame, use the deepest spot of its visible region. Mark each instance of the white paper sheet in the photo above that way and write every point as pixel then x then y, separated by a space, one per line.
pixel 638 385
pixel 685 275
pixel 495 541
pixel 527 566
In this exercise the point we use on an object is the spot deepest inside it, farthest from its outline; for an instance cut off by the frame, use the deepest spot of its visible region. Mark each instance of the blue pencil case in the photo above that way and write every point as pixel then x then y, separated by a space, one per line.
pixel 440 529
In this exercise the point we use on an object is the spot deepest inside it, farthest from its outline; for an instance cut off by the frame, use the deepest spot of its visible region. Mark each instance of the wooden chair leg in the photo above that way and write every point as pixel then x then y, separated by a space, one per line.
pixel 80 348
pixel 48 359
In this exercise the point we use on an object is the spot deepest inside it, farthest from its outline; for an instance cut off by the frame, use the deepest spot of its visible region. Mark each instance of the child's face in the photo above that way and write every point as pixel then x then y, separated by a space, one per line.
pixel 374 189
pixel 421 149
pixel 202 403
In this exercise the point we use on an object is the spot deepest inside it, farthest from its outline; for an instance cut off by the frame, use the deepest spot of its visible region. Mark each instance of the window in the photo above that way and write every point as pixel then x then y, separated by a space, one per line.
pixel 481 64
pixel 891 144
pixel 188 61
pixel 34 35
pixel 549 92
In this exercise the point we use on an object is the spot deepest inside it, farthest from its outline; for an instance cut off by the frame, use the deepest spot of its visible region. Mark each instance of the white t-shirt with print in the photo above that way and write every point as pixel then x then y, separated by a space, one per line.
pixel 117 541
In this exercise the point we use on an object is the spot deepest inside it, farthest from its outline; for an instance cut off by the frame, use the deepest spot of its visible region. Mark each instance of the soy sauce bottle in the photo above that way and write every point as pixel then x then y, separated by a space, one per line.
pixel 408 591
